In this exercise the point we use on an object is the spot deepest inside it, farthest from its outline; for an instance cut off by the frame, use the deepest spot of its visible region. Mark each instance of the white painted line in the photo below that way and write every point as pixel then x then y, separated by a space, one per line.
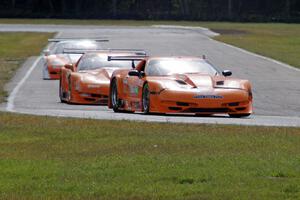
pixel 11 99
pixel 206 31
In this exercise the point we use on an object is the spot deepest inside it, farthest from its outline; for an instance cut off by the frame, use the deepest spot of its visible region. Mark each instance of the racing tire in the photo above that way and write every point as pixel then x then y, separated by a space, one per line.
pixel 239 115
pixel 203 115
pixel 69 93
pixel 61 92
pixel 114 97
pixel 146 99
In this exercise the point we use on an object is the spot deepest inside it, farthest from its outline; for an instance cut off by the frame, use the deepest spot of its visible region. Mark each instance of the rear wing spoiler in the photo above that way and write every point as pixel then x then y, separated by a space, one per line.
pixel 138 52
pixel 65 39
pixel 127 58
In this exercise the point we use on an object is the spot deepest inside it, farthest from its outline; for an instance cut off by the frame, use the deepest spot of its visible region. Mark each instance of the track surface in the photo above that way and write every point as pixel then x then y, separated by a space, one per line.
pixel 276 86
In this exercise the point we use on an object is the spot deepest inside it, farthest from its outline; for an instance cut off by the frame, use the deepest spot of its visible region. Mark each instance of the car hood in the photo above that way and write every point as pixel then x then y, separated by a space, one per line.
pixel 201 81
pixel 65 58
pixel 97 76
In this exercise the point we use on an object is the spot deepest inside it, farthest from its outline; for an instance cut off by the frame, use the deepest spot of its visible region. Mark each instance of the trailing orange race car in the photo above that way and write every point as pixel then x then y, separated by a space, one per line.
pixel 178 85
pixel 87 81
pixel 56 58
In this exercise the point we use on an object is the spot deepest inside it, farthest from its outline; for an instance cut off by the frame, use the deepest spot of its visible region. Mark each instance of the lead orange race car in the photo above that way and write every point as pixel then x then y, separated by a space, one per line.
pixel 178 85
pixel 87 81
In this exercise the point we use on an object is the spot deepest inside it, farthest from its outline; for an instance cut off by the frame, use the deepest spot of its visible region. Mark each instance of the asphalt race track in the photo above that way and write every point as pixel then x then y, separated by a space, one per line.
pixel 276 86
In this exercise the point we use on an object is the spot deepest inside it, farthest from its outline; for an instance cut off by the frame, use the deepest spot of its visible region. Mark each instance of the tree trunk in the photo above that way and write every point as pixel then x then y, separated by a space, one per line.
pixel 13 4
pixel 288 8
pixel 63 7
pixel 77 8
pixel 50 3
pixel 184 4
pixel 114 8
pixel 230 9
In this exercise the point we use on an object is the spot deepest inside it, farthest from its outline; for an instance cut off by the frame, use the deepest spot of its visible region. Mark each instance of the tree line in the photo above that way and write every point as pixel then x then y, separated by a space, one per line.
pixel 212 10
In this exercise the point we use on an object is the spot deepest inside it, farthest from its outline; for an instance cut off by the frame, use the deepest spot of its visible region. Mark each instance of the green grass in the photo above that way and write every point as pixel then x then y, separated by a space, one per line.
pixel 43 157
pixel 278 41
pixel 15 48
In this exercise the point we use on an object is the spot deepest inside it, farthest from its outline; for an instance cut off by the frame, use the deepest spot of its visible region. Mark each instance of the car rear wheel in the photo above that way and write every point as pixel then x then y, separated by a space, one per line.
pixel 69 93
pixel 61 92
pixel 239 115
pixel 146 99
pixel 114 96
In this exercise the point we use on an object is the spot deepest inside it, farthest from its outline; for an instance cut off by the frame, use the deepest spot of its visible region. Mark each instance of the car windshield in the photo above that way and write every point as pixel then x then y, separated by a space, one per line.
pixel 179 66
pixel 75 45
pixel 96 61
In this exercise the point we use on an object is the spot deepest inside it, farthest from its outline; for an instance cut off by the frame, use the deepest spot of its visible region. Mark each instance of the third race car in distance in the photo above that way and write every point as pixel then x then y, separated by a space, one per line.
pixel 178 85
pixel 56 57
pixel 87 81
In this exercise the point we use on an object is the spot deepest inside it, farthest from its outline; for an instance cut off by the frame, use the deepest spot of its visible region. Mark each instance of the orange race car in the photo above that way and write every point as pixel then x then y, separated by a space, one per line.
pixel 178 85
pixel 87 81
pixel 56 58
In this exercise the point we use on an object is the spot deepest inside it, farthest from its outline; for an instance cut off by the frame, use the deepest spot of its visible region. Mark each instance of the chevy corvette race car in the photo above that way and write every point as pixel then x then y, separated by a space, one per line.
pixel 178 85
pixel 56 58
pixel 87 81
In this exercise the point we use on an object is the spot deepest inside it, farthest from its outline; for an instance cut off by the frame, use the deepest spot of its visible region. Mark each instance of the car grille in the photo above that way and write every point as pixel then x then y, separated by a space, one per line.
pixel 208 110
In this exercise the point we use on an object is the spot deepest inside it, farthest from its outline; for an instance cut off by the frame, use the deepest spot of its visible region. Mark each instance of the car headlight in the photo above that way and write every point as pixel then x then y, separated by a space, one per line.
pixel 77 86
pixel 57 63
pixel 177 85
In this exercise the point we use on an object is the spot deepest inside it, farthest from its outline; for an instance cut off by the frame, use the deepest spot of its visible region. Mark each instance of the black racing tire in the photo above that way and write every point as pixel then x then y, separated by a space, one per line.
pixel 240 115
pixel 69 94
pixel 203 115
pixel 146 99
pixel 61 91
pixel 114 97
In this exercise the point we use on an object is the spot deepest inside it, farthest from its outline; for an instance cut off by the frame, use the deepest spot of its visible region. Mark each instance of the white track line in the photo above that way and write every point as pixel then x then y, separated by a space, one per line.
pixel 11 99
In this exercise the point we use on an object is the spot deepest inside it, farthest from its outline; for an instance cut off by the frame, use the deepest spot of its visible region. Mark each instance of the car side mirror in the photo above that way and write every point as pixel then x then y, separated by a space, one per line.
pixel 134 73
pixel 226 73
pixel 70 67
pixel 142 74
pixel 46 52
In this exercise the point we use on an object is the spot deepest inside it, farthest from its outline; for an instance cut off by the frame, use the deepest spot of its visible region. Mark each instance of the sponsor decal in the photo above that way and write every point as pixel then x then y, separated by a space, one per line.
pixel 133 90
pixel 208 97
pixel 93 86
pixel 138 82
pixel 154 93
pixel 137 105
pixel 127 105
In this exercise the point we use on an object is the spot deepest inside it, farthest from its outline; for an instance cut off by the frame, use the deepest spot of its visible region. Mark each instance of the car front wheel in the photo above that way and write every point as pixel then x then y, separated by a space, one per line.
pixel 61 92
pixel 239 115
pixel 146 99
pixel 114 96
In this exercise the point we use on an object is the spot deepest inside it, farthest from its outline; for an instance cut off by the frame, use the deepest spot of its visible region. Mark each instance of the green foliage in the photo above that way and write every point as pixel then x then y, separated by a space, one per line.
pixel 213 10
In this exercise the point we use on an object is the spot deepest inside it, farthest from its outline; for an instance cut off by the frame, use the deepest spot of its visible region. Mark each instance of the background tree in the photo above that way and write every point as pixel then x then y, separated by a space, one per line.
pixel 220 10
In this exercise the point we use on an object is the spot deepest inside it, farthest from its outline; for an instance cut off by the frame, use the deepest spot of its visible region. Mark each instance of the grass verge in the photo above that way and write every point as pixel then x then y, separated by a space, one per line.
pixel 277 41
pixel 14 49
pixel 43 157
